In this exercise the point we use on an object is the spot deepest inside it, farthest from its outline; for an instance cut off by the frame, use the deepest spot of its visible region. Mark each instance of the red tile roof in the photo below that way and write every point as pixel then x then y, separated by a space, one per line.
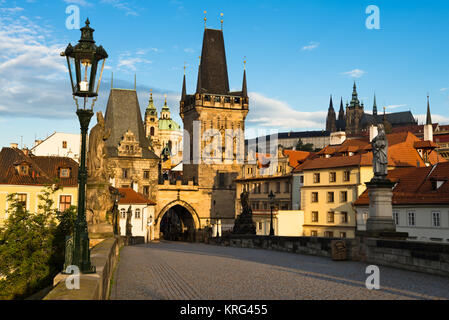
pixel 401 153
pixel 42 170
pixel 296 157
pixel 417 186
pixel 129 196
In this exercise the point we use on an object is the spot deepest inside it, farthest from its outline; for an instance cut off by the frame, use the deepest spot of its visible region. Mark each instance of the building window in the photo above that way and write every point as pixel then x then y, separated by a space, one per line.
pixel 123 213
pixel 316 178
pixel 314 233
pixel 344 217
pixel 342 234
pixel 411 219
pixel 315 216
pixel 146 190
pixel 267 187
pixel 329 234
pixel 330 197
pixel 137 214
pixel 64 203
pixel 152 129
pixel 301 179
pixel 260 225
pixel 287 187
pixel 332 177
pixel 343 196
pixel 125 173
pixel 396 217
pixel 64 144
pixel 22 199
pixel 314 196
pixel 365 217
pixel 347 176
pixel 221 180
pixel 278 187
pixel 436 219
pixel 330 217
pixel 146 174
pixel 64 173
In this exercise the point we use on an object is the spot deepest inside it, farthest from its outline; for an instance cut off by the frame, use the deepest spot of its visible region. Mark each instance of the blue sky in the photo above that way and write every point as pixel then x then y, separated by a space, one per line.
pixel 298 53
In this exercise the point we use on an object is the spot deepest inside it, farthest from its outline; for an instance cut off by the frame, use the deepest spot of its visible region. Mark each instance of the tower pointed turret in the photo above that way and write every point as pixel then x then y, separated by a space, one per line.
pixel 428 128
pixel 375 107
pixel 429 116
pixel 244 88
pixel 184 90
pixel 341 122
pixel 331 122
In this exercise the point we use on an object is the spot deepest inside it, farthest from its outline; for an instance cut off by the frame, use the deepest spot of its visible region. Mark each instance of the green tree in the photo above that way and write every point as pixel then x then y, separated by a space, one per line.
pixel 31 246
pixel 300 146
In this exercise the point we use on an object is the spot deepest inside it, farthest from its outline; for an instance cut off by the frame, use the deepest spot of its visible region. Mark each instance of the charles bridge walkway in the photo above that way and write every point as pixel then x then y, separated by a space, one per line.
pixel 192 271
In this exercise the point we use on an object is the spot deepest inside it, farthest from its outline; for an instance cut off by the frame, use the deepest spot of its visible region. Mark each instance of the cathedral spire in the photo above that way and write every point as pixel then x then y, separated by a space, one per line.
pixel 429 116
pixel 244 87
pixel 331 122
pixel 375 107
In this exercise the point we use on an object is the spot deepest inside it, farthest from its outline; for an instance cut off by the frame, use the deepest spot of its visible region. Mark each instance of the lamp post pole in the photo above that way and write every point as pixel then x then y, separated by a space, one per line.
pixel 82 62
pixel 271 196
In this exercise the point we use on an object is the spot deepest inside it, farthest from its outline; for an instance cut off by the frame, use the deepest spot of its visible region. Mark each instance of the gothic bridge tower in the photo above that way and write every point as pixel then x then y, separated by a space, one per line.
pixel 214 106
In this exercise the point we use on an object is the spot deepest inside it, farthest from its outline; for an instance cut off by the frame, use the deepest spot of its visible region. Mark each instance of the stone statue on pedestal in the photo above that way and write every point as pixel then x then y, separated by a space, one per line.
pixel 96 155
pixel 129 226
pixel 244 223
pixel 380 155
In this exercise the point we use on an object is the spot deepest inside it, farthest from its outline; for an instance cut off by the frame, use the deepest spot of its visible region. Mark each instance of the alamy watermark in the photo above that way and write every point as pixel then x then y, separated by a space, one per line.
pixel 72 282
pixel 373 280
pixel 73 20
pixel 373 20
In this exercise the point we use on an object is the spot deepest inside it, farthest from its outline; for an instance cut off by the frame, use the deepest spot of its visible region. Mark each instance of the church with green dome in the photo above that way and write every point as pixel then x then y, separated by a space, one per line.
pixel 164 133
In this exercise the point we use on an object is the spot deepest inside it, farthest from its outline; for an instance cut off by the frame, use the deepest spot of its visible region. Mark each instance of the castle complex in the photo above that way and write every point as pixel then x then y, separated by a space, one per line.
pixel 355 121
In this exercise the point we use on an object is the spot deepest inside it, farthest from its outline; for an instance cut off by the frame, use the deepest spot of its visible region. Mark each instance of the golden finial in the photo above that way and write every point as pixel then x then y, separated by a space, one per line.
pixel 244 63
pixel 184 68
pixel 205 19
pixel 165 95
pixel 221 14
pixel 151 93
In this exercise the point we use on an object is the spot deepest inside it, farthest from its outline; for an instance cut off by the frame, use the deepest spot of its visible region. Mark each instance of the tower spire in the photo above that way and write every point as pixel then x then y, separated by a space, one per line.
pixel 244 87
pixel 429 116
pixel 331 123
pixel 375 106
pixel 184 91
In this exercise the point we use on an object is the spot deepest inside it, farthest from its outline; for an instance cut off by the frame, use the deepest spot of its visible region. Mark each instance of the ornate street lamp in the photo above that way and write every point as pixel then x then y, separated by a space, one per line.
pixel 82 61
pixel 271 196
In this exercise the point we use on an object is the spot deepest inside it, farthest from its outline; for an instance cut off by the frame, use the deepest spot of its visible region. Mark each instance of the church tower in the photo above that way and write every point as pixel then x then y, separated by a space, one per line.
pixel 151 120
pixel 354 113
pixel 214 117
pixel 331 122
pixel 341 122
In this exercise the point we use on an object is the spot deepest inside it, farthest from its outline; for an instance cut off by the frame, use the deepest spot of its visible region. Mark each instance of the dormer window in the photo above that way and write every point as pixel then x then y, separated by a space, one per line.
pixel 436 184
pixel 23 169
pixel 64 173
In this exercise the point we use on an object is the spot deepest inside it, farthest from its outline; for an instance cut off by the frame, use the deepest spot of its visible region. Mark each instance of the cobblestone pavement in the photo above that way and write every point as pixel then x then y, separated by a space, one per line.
pixel 187 271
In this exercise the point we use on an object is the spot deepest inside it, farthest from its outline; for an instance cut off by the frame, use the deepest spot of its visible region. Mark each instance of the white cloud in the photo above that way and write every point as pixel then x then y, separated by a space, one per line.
pixel 270 113
pixel 356 73
pixel 436 118
pixel 122 5
pixel 444 89
pixel 396 106
pixel 130 63
pixel 189 50
pixel 311 46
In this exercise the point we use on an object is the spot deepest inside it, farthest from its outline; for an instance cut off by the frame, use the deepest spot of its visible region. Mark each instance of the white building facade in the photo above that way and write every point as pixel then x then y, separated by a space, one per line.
pixel 59 144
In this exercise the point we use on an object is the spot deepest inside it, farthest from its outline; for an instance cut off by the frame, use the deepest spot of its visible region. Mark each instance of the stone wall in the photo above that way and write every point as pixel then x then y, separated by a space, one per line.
pixel 432 258
pixel 424 257
pixel 92 286
pixel 302 245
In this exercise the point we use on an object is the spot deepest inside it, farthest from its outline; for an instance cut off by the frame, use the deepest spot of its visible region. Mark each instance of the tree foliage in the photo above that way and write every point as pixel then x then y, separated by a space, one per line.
pixel 32 246
pixel 300 146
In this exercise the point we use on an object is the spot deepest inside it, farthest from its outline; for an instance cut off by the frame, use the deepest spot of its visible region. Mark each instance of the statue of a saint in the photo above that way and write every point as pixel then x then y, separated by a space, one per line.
pixel 96 156
pixel 244 198
pixel 380 154
pixel 128 223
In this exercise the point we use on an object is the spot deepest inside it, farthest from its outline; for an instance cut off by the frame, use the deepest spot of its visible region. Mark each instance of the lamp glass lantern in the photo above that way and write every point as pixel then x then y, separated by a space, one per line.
pixel 83 60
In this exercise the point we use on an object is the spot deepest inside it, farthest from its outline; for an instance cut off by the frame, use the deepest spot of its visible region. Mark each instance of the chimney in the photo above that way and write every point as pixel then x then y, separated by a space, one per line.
pixel 26 151
pixel 372 132
pixel 37 142
pixel 337 138
pixel 14 145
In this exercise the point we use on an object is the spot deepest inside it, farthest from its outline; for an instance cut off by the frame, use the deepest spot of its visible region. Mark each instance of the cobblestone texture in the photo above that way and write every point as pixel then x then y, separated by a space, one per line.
pixel 186 271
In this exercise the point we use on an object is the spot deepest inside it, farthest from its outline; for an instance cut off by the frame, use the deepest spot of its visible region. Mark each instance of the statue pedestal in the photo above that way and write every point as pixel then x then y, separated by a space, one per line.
pixel 380 208
pixel 99 203
pixel 244 224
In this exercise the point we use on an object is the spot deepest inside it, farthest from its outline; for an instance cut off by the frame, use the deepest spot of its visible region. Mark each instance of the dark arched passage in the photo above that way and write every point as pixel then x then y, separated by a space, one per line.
pixel 177 224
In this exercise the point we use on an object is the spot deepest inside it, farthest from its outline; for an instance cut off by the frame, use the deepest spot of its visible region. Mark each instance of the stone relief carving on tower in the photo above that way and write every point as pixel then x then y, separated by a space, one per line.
pixel 129 146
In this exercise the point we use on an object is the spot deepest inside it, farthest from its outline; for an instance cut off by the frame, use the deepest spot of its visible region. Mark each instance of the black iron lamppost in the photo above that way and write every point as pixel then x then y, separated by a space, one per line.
pixel 82 61
pixel 271 196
